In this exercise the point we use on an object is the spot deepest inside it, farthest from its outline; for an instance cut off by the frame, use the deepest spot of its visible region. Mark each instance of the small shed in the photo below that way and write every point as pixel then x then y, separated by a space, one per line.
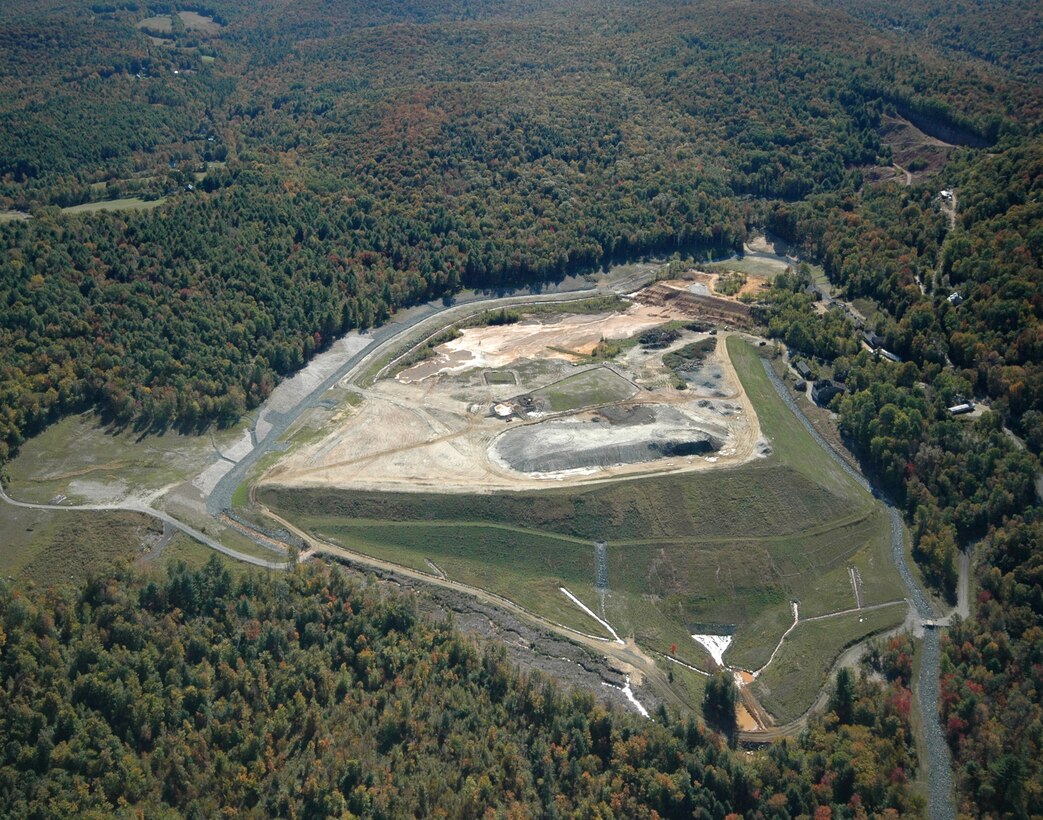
pixel 803 370
pixel 873 339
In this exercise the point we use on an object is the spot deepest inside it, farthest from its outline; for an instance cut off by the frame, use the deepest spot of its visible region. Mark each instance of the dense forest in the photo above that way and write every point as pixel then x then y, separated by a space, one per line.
pixel 310 695
pixel 966 484
pixel 307 168
pixel 345 163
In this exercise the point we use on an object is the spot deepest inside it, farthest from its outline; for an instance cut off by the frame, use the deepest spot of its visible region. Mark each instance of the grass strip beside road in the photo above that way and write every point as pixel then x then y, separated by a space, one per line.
pixel 790 441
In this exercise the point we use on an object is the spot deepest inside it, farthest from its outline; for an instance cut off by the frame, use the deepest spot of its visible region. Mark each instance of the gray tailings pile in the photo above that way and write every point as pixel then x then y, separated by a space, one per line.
pixel 573 443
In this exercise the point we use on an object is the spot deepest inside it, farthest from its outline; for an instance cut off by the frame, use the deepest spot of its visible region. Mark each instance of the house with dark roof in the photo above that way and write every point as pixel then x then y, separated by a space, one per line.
pixel 873 339
pixel 824 390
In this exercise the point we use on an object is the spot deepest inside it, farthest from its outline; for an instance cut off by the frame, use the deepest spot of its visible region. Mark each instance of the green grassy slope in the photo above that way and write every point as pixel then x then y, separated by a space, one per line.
pixel 721 547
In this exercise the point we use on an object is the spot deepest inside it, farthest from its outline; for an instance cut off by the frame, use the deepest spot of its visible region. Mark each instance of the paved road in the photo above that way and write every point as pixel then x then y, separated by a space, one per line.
pixel 940 802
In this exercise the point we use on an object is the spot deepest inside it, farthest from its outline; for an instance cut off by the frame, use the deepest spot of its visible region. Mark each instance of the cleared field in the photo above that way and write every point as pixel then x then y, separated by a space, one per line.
pixel 790 441
pixel 160 22
pixel 87 462
pixel 50 548
pixel 194 554
pixel 759 501
pixel 763 269
pixel 131 203
pixel 194 21
pixel 500 377
pixel 599 385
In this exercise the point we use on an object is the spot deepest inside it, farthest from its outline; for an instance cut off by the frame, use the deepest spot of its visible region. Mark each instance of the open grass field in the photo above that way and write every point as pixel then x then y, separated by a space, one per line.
pixel 130 203
pixel 50 548
pixel 730 547
pixel 796 675
pixel 87 461
pixel 194 21
pixel 194 554
pixel 476 555
pixel 599 385
pixel 160 22
pixel 498 377
pixel 752 266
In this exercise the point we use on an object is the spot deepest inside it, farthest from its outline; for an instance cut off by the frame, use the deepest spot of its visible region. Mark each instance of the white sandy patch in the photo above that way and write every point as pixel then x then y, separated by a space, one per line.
pixel 715 645
pixel 207 480
pixel 239 448
pixel 99 492
pixel 626 690
pixel 590 612
pixel 551 338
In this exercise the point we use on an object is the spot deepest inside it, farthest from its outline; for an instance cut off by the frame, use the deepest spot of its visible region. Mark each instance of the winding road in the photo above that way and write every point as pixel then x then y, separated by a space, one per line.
pixel 159 515
pixel 628 655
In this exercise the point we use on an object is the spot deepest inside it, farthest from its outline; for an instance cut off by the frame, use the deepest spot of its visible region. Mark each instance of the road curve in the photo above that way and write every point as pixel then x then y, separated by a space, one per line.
pixel 159 515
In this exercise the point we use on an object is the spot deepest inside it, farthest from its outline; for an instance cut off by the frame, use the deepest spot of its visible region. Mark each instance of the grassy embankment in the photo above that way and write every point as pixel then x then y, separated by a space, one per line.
pixel 722 547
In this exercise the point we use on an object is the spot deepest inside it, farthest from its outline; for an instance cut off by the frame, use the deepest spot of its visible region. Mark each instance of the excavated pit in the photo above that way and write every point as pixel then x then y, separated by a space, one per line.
pixel 610 437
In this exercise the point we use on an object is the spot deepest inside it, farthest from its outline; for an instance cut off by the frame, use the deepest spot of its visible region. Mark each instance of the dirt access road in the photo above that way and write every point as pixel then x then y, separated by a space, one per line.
pixel 628 656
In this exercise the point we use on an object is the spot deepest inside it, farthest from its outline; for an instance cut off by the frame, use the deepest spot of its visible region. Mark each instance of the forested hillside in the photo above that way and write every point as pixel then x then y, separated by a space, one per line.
pixel 966 484
pixel 289 171
pixel 345 162
pixel 311 696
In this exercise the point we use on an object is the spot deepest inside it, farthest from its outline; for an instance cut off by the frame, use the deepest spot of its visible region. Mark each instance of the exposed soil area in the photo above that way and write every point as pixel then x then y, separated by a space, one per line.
pixel 915 153
pixel 563 337
pixel 456 423
pixel 677 297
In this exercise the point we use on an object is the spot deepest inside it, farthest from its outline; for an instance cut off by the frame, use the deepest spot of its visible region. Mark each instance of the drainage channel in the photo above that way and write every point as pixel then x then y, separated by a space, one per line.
pixel 940 802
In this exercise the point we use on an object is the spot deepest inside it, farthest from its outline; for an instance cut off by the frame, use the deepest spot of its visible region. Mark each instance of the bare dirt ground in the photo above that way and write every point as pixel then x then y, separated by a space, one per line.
pixel 769 243
pixel 563 337
pixel 434 428
pixel 679 297
pixel 916 155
